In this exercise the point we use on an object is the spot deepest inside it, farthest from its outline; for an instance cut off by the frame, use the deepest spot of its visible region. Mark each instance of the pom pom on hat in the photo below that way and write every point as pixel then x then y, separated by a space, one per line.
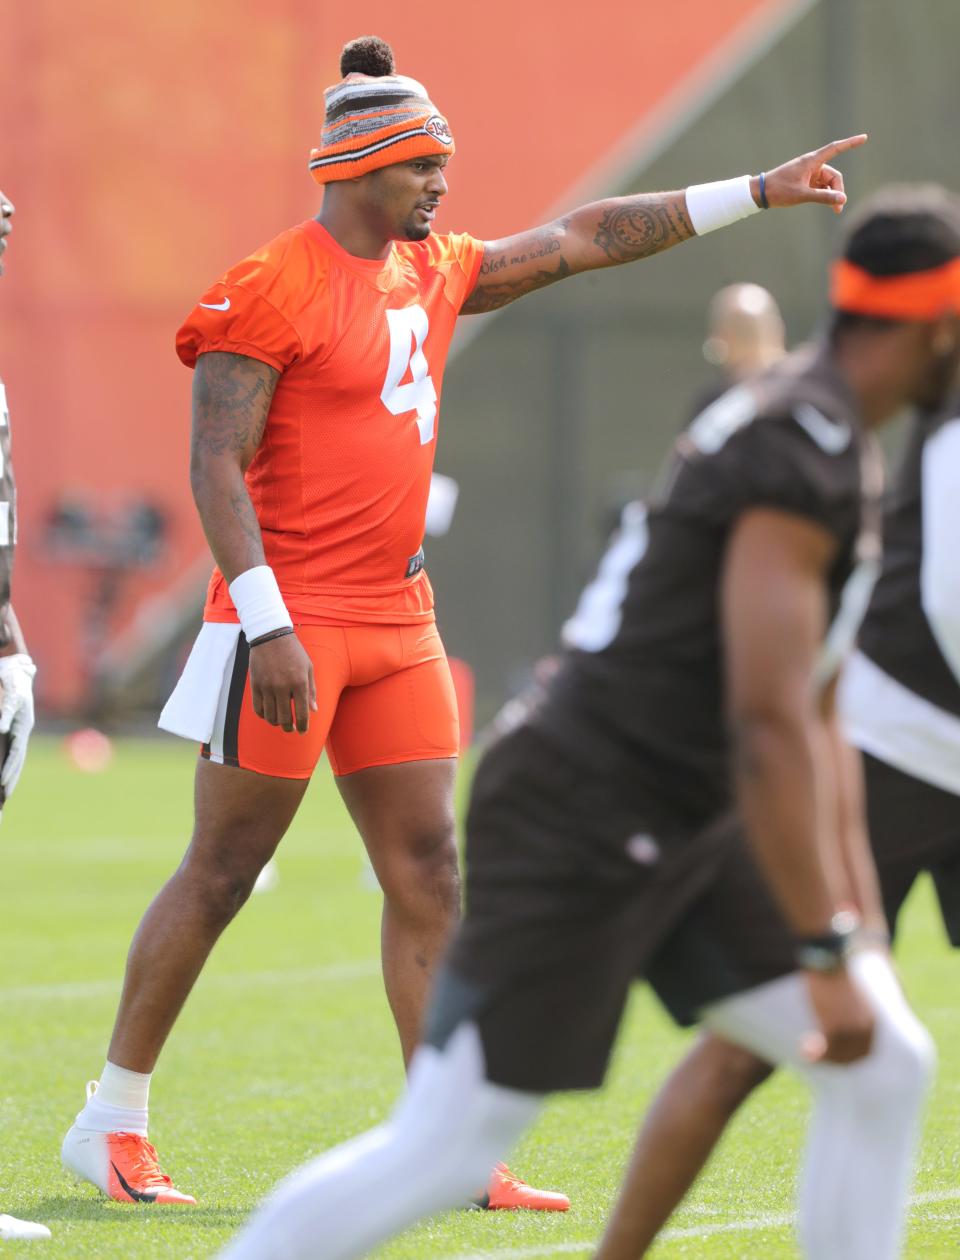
pixel 367 55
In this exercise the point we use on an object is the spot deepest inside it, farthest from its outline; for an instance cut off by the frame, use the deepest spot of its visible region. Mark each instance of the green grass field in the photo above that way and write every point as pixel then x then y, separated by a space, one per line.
pixel 287 1047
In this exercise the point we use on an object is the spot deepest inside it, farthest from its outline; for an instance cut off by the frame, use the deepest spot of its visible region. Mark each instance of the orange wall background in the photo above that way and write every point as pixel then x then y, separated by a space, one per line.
pixel 147 146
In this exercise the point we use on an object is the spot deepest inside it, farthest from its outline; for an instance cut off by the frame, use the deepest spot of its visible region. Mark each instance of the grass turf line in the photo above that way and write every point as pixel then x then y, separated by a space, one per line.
pixel 287 1046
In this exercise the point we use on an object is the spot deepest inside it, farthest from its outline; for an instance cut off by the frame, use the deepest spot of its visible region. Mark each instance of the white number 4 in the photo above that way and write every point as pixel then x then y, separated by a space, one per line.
pixel 408 332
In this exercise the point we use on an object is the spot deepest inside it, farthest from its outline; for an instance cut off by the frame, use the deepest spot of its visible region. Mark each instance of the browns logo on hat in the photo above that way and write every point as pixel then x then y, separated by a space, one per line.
pixel 375 117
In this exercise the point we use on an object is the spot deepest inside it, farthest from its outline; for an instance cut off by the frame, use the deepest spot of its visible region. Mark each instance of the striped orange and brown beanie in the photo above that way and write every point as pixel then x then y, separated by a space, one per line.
pixel 375 117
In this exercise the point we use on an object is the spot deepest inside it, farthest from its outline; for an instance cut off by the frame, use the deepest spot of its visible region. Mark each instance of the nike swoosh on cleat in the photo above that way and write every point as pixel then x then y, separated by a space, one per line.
pixel 138 1196
pixel 217 306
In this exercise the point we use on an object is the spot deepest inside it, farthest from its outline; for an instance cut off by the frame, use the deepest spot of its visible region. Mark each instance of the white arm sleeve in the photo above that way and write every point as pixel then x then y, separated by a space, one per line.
pixel 940 567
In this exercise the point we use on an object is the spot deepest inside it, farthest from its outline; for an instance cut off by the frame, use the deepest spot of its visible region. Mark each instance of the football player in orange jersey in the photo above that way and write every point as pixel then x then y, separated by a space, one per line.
pixel 318 370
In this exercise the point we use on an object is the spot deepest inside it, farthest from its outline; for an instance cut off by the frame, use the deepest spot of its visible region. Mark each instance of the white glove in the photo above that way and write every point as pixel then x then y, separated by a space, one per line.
pixel 16 714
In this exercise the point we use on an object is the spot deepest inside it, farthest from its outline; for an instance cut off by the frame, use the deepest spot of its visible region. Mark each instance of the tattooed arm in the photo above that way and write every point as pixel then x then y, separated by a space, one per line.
pixel 623 229
pixel 231 400
pixel 602 234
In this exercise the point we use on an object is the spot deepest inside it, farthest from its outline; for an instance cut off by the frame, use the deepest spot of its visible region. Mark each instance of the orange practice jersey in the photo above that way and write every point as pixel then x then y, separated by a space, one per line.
pixel 341 477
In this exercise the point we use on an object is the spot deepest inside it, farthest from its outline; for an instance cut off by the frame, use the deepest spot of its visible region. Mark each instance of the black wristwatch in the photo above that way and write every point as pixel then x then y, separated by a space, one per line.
pixel 829 952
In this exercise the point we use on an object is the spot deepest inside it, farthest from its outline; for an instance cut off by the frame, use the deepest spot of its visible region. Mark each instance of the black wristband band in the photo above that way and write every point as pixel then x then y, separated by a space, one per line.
pixel 764 204
pixel 272 634
pixel 828 952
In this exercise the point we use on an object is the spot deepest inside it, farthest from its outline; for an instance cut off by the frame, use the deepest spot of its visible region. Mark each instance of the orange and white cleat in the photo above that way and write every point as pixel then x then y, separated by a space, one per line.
pixel 123 1166
pixel 506 1193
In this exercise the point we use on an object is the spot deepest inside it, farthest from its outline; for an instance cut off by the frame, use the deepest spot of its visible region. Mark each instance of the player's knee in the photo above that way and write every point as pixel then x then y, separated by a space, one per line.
pixel 227 893
pixel 899 1068
pixel 729 1072
pixel 422 876
pixel 909 1058
pixel 221 888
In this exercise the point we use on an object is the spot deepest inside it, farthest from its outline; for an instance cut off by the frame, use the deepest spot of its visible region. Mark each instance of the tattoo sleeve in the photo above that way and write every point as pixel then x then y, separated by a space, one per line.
pixel 638 227
pixel 231 402
pixel 602 234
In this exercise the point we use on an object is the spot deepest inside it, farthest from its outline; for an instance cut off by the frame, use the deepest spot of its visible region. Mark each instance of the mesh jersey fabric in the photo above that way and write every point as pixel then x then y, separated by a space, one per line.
pixel 341 477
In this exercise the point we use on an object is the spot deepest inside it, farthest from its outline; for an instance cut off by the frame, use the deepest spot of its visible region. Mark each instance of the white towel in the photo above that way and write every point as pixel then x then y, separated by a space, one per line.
pixel 192 708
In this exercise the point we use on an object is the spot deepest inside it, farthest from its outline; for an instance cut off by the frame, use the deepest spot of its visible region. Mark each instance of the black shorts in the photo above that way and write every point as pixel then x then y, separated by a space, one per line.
pixel 914 827
pixel 571 896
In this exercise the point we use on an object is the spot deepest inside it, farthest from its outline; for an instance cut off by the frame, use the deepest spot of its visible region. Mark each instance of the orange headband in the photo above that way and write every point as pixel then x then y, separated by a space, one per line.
pixel 921 295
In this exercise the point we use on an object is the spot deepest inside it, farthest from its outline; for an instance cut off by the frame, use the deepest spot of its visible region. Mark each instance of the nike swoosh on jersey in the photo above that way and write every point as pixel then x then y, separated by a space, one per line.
pixel 829 436
pixel 217 306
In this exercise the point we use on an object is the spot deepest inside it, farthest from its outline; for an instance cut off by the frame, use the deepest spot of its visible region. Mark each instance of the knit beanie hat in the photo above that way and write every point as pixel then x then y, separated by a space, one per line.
pixel 375 117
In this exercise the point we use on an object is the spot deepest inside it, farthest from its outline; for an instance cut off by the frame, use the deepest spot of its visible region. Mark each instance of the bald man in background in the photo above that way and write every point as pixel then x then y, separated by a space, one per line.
pixel 745 336
pixel 745 332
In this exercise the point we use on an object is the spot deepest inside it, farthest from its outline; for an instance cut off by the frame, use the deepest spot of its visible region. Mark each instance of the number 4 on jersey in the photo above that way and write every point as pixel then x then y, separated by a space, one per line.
pixel 408 332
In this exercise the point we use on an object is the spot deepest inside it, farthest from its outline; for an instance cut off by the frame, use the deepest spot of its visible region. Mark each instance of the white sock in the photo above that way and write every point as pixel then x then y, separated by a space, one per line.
pixel 120 1102
pixel 863 1131
pixel 449 1130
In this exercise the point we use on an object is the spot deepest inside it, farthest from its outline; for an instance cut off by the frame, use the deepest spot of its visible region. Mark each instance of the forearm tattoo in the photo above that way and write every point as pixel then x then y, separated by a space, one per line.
pixel 544 243
pixel 245 514
pixel 641 226
pixel 231 401
pixel 619 230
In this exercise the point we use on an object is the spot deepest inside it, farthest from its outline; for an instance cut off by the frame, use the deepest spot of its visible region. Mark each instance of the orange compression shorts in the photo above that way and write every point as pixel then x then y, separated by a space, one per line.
pixel 384 695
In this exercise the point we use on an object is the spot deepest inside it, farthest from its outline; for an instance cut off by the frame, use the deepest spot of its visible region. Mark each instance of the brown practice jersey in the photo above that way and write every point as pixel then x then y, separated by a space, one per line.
pixel 8 501
pixel 896 634
pixel 639 696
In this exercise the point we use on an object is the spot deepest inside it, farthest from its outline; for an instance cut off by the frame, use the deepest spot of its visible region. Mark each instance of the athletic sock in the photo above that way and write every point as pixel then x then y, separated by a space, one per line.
pixel 120 1102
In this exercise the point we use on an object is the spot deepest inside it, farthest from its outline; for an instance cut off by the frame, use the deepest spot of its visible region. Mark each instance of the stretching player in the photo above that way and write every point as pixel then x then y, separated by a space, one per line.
pixel 598 839
pixel 900 703
pixel 16 668
pixel 318 367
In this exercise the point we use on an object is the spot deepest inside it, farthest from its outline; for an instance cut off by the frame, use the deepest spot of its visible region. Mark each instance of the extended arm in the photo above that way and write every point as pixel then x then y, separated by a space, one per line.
pixel 231 402
pixel 624 229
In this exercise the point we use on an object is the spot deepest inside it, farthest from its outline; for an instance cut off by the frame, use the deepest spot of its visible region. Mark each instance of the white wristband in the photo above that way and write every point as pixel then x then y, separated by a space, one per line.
pixel 711 206
pixel 259 604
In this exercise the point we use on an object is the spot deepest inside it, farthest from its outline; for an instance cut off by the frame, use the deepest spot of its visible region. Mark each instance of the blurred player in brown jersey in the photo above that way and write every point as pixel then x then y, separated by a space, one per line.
pixel 697 691
pixel 16 668
pixel 900 704
pixel 318 366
